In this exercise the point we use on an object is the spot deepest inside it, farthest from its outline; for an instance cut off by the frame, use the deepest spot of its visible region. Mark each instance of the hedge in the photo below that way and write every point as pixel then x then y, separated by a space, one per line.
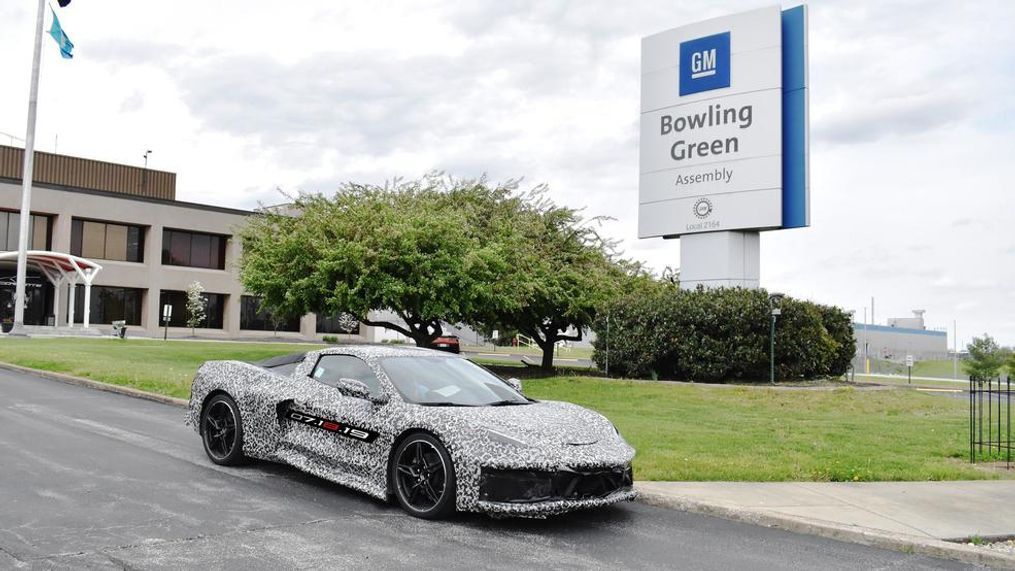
pixel 719 335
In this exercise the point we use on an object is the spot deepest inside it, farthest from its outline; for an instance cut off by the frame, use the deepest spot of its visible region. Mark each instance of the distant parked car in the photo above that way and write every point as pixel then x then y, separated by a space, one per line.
pixel 436 432
pixel 448 343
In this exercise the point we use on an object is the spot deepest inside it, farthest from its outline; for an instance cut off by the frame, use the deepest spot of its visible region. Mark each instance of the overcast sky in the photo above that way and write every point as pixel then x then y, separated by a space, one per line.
pixel 912 120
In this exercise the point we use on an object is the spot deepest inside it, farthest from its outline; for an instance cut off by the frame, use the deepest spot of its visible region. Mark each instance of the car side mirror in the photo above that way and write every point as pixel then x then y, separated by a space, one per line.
pixel 515 384
pixel 358 389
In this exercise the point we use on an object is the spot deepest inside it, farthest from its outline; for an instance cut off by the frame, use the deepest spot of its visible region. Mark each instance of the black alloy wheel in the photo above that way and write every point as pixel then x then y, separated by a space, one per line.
pixel 222 431
pixel 424 477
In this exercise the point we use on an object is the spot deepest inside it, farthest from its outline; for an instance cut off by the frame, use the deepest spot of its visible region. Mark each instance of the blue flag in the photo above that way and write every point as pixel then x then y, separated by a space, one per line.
pixel 66 46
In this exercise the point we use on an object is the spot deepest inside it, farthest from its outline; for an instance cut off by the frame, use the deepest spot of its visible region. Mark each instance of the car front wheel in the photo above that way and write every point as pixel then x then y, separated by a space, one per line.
pixel 222 431
pixel 423 477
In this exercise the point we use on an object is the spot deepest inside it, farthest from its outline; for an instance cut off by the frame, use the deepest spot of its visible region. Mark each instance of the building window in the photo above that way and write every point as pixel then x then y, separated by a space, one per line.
pixel 337 323
pixel 109 304
pixel 10 227
pixel 254 318
pixel 193 249
pixel 106 241
pixel 214 308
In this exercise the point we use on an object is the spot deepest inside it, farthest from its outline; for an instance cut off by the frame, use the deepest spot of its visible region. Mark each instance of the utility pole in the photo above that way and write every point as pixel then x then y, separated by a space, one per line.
pixel 26 178
pixel 955 350
pixel 607 344
pixel 866 357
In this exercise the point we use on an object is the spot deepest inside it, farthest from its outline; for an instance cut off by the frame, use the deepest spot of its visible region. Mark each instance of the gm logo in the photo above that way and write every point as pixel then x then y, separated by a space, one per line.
pixel 705 64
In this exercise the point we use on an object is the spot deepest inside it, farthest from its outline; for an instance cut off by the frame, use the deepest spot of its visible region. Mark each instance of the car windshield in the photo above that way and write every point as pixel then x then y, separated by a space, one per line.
pixel 448 381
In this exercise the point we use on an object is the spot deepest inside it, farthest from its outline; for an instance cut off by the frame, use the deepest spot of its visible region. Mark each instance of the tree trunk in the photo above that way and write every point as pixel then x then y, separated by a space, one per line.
pixel 424 334
pixel 420 333
pixel 422 339
pixel 548 356
pixel 547 341
pixel 548 344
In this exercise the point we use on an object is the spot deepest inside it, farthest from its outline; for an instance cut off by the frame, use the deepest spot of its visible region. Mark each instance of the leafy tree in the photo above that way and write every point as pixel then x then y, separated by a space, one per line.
pixel 277 321
pixel 431 250
pixel 569 273
pixel 347 322
pixel 196 305
pixel 985 357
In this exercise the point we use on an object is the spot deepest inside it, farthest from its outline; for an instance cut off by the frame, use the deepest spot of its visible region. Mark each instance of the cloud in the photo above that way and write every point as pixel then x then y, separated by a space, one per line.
pixel 127 51
pixel 902 116
pixel 912 124
pixel 132 102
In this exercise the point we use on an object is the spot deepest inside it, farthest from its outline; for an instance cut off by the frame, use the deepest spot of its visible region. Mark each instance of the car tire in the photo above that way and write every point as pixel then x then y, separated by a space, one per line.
pixel 423 477
pixel 222 431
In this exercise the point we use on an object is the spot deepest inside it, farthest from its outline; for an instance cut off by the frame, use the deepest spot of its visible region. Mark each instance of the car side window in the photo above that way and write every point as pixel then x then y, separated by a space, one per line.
pixel 331 368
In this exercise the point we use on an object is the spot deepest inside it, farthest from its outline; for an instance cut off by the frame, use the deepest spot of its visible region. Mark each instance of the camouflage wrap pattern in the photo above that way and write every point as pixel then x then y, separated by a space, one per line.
pixel 545 435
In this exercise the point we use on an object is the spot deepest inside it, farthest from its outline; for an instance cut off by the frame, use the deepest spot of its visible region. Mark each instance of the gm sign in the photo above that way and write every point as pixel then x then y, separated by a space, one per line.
pixel 705 64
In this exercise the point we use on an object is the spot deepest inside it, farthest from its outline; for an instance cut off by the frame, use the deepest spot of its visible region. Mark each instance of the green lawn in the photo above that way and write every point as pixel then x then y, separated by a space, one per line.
pixel 903 382
pixel 681 431
pixel 934 368
pixel 562 353
pixel 165 367
pixel 701 432
pixel 943 369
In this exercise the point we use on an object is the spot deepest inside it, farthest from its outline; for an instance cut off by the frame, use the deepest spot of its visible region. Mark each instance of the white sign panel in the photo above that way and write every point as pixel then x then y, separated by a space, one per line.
pixel 712 126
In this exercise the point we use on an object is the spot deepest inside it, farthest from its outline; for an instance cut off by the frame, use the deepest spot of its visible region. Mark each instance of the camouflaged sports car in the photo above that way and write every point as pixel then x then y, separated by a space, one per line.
pixel 435 431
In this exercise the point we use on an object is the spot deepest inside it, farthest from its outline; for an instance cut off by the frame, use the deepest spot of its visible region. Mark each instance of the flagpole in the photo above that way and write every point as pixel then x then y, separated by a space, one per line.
pixel 26 179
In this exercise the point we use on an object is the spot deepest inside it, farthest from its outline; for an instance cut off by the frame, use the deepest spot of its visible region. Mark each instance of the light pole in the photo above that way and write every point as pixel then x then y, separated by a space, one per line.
pixel 773 302
pixel 607 344
pixel 27 174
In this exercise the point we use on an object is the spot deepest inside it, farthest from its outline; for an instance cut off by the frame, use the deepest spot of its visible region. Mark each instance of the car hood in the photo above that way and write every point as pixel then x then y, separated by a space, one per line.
pixel 541 424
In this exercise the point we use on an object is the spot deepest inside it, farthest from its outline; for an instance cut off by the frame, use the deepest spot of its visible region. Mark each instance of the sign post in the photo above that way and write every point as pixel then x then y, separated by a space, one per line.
pixel 909 365
pixel 167 315
pixel 724 140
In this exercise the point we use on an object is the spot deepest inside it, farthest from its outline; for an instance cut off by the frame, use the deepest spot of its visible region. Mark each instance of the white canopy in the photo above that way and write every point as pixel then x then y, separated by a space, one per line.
pixel 60 269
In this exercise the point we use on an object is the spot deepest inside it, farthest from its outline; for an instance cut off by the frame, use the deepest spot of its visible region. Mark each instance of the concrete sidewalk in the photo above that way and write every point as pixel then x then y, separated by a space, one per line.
pixel 923 517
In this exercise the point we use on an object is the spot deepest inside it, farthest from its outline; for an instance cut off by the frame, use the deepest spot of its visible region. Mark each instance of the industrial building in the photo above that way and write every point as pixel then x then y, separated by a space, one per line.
pixel 901 337
pixel 111 242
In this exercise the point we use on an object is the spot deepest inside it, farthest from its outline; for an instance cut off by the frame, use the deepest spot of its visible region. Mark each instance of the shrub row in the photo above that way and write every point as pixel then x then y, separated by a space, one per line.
pixel 718 335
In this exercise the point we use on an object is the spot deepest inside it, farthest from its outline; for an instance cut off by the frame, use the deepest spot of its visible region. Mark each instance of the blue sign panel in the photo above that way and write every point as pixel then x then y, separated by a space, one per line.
pixel 795 210
pixel 705 64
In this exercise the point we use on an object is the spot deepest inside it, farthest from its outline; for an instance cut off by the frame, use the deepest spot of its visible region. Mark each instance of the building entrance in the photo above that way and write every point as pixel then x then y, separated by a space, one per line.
pixel 38 299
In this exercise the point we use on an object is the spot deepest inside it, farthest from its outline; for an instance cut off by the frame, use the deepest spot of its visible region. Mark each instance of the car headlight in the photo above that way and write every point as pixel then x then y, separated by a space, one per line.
pixel 502 438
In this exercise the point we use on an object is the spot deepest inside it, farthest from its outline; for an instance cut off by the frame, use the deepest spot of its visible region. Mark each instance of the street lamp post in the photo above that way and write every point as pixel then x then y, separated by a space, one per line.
pixel 773 303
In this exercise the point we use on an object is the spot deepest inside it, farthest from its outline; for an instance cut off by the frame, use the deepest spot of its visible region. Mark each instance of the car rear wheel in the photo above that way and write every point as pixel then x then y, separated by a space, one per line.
pixel 222 431
pixel 423 477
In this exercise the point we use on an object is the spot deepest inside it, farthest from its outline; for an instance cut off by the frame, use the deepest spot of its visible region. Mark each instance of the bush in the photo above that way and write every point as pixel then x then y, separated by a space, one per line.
pixel 722 334
pixel 330 339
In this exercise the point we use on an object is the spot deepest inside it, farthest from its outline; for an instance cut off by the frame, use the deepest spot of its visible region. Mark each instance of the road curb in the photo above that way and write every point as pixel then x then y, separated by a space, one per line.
pixel 99 385
pixel 863 536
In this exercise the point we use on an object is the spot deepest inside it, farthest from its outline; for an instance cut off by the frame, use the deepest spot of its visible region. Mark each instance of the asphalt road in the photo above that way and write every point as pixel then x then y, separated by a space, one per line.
pixel 90 479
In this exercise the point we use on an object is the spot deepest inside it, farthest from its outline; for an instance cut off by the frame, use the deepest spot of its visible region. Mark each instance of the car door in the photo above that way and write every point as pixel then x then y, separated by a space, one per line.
pixel 338 431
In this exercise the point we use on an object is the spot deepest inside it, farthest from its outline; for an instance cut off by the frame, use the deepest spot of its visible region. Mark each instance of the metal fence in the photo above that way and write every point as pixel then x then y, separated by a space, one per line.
pixel 990 428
